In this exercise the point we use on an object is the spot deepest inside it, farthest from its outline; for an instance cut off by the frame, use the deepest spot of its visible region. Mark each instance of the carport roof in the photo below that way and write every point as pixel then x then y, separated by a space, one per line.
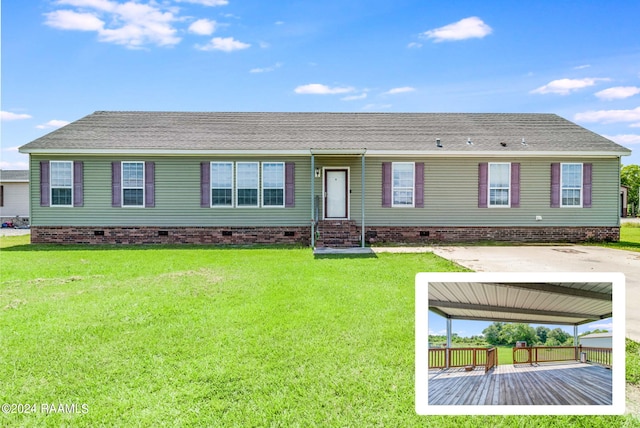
pixel 536 303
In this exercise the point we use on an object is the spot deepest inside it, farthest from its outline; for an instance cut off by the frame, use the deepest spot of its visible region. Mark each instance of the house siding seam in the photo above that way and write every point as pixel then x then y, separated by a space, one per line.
pixel 171 235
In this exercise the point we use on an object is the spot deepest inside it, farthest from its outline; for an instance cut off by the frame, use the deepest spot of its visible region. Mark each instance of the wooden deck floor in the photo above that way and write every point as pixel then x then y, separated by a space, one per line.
pixel 550 384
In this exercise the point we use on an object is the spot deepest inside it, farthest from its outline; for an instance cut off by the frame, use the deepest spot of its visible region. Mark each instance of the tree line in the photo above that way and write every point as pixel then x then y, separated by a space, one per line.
pixel 630 177
pixel 507 334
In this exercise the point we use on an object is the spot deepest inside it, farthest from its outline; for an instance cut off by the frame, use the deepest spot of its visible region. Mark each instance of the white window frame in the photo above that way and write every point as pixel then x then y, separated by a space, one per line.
pixel 581 188
pixel 52 187
pixel 123 187
pixel 394 188
pixel 262 185
pixel 211 187
pixel 489 187
pixel 238 188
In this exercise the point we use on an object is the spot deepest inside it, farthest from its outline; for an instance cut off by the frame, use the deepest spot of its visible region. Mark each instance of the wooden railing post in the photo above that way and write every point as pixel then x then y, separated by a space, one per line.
pixel 447 357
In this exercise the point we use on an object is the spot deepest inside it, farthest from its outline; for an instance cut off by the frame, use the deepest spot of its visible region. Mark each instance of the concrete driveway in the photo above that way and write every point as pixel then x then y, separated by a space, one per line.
pixel 569 258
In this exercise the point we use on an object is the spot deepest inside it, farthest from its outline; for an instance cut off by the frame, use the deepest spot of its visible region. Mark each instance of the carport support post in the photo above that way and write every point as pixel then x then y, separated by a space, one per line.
pixel 313 191
pixel 362 234
pixel 448 341
pixel 575 335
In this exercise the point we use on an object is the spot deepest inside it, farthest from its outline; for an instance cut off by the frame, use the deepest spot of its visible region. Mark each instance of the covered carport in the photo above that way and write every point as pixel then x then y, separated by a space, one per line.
pixel 565 303
pixel 568 385
pixel 563 381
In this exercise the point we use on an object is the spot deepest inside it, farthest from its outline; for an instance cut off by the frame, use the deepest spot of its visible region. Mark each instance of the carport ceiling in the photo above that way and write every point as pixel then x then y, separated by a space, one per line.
pixel 536 303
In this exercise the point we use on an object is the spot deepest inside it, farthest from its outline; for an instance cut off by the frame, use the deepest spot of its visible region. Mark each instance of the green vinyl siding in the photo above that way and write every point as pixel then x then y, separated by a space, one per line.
pixel 177 196
pixel 450 195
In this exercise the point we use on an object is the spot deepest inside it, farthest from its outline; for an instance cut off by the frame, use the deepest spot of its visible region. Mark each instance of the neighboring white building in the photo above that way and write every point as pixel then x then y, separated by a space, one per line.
pixel 14 194
pixel 597 340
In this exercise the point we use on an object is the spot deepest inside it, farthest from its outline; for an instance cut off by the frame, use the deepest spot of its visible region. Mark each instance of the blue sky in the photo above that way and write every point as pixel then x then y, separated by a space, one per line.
pixel 64 59
pixel 464 328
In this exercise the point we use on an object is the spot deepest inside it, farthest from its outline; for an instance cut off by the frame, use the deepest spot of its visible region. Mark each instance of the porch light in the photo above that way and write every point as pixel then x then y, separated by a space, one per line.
pixel 469 142
pixel 317 172
pixel 438 144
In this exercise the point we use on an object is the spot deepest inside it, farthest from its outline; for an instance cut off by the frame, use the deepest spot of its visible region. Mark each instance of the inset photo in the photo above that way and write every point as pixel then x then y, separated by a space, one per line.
pixel 520 343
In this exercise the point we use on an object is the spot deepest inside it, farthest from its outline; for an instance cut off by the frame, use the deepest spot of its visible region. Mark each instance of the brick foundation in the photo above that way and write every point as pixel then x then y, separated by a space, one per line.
pixel 547 234
pixel 170 235
pixel 346 234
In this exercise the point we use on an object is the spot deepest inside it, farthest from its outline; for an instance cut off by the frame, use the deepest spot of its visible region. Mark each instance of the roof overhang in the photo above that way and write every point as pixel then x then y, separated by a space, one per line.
pixel 338 152
pixel 536 303
pixel 333 152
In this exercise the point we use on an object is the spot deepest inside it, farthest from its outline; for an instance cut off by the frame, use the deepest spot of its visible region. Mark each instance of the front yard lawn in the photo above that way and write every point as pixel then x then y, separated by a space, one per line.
pixel 629 238
pixel 203 336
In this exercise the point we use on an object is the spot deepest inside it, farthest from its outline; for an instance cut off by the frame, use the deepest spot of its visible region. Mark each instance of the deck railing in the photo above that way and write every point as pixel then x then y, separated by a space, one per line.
pixel 492 359
pixel 545 354
pixel 440 358
pixel 600 356
pixel 437 358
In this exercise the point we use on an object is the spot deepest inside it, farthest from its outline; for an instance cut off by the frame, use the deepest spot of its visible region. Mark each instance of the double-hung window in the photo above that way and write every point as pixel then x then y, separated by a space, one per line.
pixel 499 184
pixel 273 184
pixel 133 184
pixel 61 183
pixel 571 185
pixel 221 184
pixel 403 179
pixel 247 177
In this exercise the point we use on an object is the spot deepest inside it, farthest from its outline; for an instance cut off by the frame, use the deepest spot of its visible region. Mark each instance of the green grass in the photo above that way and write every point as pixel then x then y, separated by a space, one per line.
pixel 202 336
pixel 633 362
pixel 629 238
pixel 505 355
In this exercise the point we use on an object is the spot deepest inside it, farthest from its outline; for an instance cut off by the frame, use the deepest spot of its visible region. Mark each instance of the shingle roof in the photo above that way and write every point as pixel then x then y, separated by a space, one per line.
pixel 401 132
pixel 19 175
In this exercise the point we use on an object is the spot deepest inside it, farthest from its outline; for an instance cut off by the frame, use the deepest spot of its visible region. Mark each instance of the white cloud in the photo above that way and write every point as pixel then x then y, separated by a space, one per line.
pixel 609 116
pixel 279 23
pixel 226 44
pixel 467 28
pixel 355 97
pixel 625 139
pixel 376 107
pixel 266 69
pixel 203 27
pixel 54 123
pixel 206 2
pixel 618 92
pixel 14 165
pixel 11 149
pixel 130 24
pixel 414 45
pixel 106 5
pixel 582 67
pixel 603 326
pixel 8 116
pixel 401 90
pixel 70 20
pixel 319 89
pixel 566 86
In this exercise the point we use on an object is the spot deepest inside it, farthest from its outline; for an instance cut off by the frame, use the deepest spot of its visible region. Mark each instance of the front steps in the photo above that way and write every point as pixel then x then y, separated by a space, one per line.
pixel 337 234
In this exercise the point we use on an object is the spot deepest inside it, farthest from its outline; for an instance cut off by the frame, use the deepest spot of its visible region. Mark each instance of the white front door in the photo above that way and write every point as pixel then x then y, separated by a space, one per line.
pixel 336 193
